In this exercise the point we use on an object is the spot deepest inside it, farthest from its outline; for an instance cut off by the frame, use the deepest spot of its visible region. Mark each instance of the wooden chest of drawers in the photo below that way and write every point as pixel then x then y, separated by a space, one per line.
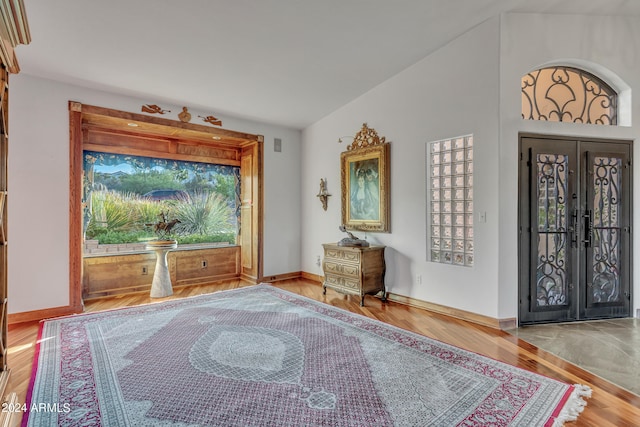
pixel 354 270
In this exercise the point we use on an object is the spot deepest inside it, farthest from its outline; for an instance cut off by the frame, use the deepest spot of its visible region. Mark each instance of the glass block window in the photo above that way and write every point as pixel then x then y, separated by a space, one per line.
pixel 450 196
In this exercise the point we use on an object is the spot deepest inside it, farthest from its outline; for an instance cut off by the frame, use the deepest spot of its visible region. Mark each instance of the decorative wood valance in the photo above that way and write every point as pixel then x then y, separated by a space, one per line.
pixel 108 130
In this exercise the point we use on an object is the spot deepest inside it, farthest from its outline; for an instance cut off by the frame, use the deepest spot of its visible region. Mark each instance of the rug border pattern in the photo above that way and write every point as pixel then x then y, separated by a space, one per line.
pixel 462 358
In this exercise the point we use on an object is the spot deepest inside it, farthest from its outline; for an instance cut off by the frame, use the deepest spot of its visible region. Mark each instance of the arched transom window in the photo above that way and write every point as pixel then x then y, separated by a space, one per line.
pixel 565 94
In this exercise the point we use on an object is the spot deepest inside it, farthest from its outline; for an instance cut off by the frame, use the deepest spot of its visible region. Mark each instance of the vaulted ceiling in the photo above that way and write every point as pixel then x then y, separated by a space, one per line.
pixel 287 62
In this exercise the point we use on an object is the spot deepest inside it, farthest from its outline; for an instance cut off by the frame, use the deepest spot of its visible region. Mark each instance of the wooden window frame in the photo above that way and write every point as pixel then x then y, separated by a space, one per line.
pixel 113 131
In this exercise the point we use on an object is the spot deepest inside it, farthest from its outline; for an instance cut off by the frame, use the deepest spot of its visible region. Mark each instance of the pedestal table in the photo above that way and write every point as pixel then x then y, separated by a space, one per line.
pixel 161 285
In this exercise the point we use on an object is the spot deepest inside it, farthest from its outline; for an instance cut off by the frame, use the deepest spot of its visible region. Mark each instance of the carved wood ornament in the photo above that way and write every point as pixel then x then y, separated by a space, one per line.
pixel 184 116
pixel 154 109
pixel 212 120
pixel 367 137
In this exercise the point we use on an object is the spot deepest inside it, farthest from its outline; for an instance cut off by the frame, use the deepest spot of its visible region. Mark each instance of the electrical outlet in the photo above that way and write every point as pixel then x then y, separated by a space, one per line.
pixel 419 279
pixel 318 261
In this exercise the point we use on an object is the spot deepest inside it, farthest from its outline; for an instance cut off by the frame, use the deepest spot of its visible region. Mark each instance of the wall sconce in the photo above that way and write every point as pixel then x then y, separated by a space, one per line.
pixel 323 194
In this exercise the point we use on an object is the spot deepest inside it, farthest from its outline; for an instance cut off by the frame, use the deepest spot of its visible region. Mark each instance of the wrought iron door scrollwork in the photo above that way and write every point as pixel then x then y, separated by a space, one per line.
pixel 552 230
pixel 605 229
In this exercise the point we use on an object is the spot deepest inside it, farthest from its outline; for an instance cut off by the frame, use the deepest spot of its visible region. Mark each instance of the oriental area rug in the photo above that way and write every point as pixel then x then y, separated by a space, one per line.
pixel 261 356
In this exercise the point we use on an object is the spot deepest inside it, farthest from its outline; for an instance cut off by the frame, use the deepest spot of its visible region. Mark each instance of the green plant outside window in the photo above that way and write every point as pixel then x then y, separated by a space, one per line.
pixel 125 195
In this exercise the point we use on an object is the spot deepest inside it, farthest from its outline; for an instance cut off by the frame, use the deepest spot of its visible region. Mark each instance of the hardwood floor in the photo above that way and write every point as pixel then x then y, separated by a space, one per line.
pixel 609 405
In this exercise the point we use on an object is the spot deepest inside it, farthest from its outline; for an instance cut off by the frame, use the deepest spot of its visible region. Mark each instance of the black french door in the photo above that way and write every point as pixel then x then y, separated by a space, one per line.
pixel 575 233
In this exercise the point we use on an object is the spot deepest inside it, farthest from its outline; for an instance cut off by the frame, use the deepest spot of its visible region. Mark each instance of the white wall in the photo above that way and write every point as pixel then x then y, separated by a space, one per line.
pixel 472 86
pixel 453 92
pixel 39 188
pixel 606 46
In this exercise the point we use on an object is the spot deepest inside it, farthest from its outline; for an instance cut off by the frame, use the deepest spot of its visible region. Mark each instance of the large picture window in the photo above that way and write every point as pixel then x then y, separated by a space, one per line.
pixel 124 195
pixel 159 147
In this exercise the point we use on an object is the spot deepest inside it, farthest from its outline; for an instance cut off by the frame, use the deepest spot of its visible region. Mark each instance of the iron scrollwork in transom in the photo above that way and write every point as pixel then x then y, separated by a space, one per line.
pixel 564 94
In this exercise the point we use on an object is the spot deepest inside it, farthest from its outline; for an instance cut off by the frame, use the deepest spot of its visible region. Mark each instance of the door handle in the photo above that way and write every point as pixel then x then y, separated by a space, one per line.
pixel 573 229
pixel 588 227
